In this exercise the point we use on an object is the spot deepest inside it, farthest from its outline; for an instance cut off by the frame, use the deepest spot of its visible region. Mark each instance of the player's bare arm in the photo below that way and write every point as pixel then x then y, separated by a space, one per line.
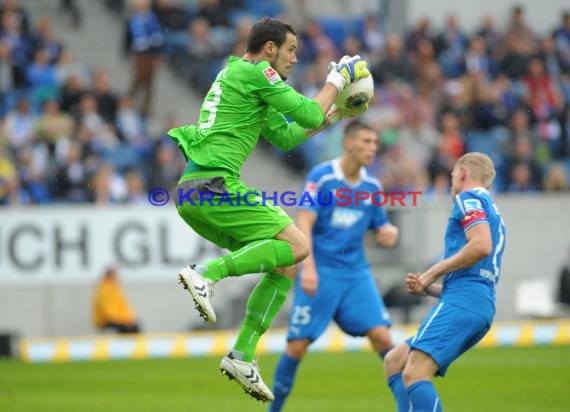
pixel 432 290
pixel 387 236
pixel 309 276
pixel 326 96
pixel 479 245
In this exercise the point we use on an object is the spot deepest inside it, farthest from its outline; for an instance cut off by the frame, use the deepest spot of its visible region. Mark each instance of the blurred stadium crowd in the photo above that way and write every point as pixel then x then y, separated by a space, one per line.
pixel 67 136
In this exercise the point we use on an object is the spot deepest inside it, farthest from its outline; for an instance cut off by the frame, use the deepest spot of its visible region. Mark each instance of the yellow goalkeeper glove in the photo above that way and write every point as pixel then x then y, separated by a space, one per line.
pixel 347 70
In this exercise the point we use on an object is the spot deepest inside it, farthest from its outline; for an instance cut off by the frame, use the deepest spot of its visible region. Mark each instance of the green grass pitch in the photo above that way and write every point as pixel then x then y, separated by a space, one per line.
pixel 502 379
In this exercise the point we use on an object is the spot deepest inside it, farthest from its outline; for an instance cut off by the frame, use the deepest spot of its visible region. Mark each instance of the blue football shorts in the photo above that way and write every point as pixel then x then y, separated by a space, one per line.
pixel 447 332
pixel 353 303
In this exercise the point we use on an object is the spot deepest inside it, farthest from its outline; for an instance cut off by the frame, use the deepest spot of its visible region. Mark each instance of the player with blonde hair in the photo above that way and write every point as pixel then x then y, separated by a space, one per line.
pixel 474 244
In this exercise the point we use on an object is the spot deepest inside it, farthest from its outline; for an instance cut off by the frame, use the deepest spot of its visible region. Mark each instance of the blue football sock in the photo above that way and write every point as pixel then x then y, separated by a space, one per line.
pixel 423 397
pixel 283 381
pixel 396 384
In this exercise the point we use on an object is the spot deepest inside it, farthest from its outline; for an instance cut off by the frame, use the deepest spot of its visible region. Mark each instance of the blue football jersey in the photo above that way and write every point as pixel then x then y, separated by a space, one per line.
pixel 473 288
pixel 343 217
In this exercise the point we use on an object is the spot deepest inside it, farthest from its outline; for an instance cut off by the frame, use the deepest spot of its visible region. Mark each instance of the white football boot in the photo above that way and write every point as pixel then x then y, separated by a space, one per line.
pixel 246 375
pixel 201 290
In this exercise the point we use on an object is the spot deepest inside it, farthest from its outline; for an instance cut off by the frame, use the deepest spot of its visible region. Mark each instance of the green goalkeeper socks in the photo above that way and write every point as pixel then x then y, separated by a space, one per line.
pixel 255 257
pixel 262 307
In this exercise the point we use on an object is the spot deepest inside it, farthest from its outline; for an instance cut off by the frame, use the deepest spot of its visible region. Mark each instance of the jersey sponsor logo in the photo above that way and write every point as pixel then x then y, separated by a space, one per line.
pixel 271 75
pixel 311 187
pixel 472 204
pixel 472 217
pixel 344 218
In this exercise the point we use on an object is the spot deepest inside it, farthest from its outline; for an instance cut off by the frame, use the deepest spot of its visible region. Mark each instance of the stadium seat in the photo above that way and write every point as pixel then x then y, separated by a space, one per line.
pixel 335 29
pixel 261 8
pixel 535 299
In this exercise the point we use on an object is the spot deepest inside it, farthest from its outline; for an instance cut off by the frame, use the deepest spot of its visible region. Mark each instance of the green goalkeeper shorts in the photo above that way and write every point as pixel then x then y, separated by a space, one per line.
pixel 227 212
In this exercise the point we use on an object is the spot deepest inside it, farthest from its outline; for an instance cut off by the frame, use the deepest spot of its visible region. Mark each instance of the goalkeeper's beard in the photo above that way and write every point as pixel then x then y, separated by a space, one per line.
pixel 283 76
pixel 273 63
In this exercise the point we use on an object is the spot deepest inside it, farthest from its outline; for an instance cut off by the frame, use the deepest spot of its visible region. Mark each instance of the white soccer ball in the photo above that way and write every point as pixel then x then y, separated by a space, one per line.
pixel 357 93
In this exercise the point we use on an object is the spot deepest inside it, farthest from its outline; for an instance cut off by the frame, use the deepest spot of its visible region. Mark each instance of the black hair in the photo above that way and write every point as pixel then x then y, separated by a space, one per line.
pixel 268 29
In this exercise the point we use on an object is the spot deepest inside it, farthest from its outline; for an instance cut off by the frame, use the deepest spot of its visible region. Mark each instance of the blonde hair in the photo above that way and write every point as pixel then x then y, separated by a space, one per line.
pixel 480 167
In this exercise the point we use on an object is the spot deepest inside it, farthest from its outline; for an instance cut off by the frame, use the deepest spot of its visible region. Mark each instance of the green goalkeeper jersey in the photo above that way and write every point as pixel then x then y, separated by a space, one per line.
pixel 247 100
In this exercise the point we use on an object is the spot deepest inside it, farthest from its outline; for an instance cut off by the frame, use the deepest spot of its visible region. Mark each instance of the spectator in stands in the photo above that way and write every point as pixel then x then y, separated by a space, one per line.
pixel 11 192
pixel 42 80
pixel 111 308
pixel 493 41
pixel 70 95
pixel 522 153
pixel 214 12
pixel 352 46
pixel 107 186
pixel 418 35
pixel 373 36
pixel 505 97
pixel 21 44
pixel 451 141
pixel 44 38
pixel 565 121
pixel 99 137
pixel 166 166
pixel 555 179
pixel 7 173
pixel 71 177
pixel 521 179
pixel 515 60
pixel 519 126
pixel 473 97
pixel 550 58
pixel 418 138
pixel 14 8
pixel 19 127
pixel 10 79
pixel 562 42
pixel 107 99
pixel 67 66
pixel 519 29
pixel 401 172
pixel 476 58
pixel 136 194
pixel 130 125
pixel 395 66
pixel 429 76
pixel 174 20
pixel 546 103
pixel 53 125
pixel 143 41
pixel 32 161
pixel 450 46
pixel 204 54
pixel 315 43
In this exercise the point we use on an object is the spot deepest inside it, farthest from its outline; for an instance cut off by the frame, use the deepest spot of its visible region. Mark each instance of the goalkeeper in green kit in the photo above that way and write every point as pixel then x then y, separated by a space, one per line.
pixel 249 99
